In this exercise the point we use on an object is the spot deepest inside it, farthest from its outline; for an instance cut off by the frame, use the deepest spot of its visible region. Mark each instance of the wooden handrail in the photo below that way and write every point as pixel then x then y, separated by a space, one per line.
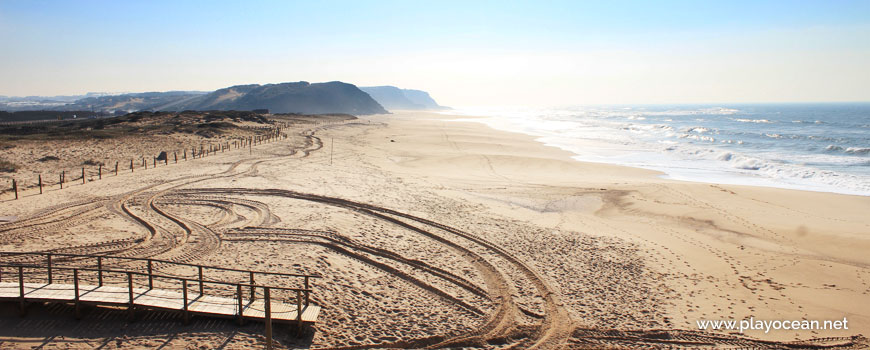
pixel 134 273
pixel 159 261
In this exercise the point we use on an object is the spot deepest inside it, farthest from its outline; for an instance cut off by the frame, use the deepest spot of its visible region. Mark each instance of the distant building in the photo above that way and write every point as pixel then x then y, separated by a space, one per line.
pixel 261 111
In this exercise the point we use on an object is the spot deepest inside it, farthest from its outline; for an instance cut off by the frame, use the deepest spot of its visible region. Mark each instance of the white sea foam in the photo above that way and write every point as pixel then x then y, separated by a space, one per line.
pixel 690 153
pixel 757 121
pixel 858 150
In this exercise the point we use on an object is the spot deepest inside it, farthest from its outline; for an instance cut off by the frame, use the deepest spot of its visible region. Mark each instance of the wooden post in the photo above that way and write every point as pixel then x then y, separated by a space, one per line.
pixel 184 292
pixel 299 311
pixel 100 270
pixel 48 263
pixel 144 163
pixel 175 154
pixel 240 316
pixel 185 154
pixel 15 188
pixel 62 177
pixel 166 159
pixel 100 172
pixel 155 162
pixel 131 165
pixel 268 309
pixel 130 294
pixel 150 276
pixel 83 176
pixel 200 281
pixel 253 296
pixel 307 291
pixel 21 289
pixel 76 287
pixel 40 183
pixel 116 168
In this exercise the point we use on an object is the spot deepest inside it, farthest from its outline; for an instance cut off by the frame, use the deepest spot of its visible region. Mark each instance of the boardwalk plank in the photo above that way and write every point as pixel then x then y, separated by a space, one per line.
pixel 207 305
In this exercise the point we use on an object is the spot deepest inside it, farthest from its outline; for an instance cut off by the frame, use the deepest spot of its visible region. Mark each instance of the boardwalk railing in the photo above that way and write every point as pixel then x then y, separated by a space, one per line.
pixel 47 276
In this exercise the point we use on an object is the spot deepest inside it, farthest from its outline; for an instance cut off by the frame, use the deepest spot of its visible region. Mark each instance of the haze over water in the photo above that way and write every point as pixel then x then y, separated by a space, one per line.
pixel 818 147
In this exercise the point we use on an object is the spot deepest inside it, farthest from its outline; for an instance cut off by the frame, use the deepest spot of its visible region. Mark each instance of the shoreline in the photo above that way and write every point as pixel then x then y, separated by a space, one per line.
pixel 709 227
pixel 679 169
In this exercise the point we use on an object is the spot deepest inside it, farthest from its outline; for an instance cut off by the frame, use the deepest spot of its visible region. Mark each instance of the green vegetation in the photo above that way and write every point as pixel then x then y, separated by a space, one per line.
pixel 206 124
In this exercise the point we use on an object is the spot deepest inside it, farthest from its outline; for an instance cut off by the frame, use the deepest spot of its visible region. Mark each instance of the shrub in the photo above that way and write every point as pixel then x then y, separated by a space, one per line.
pixel 47 158
pixel 7 167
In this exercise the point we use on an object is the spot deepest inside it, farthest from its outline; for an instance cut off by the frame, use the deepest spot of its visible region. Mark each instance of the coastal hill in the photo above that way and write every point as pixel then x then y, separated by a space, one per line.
pixel 155 101
pixel 392 97
pixel 299 97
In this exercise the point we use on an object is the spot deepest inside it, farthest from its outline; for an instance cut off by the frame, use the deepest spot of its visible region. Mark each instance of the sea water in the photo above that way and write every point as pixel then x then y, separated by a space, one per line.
pixel 817 147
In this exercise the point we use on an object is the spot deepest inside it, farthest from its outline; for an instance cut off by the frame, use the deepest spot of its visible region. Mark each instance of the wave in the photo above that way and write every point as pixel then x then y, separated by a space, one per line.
pixel 697 129
pixel 757 121
pixel 849 150
pixel 858 150
pixel 832 148
pixel 754 150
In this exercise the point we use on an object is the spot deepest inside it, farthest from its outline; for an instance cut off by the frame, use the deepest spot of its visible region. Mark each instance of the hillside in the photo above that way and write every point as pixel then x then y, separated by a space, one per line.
pixel 392 97
pixel 131 102
pixel 300 97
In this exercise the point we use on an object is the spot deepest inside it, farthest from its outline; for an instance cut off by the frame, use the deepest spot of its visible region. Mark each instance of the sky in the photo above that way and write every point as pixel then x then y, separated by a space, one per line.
pixel 464 53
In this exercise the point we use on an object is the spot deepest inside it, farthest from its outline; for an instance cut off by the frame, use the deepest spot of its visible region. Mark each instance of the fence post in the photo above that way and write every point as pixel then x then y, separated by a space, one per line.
pixel 15 188
pixel 268 309
pixel 62 175
pixel 130 294
pixel 116 168
pixel 252 286
pixel 200 281
pixel 150 276
pixel 40 183
pixel 174 153
pixel 184 292
pixel 100 172
pixel 144 163
pixel 48 263
pixel 83 175
pixel 185 154
pixel 299 310
pixel 240 319
pixel 100 270
pixel 76 286
pixel 21 289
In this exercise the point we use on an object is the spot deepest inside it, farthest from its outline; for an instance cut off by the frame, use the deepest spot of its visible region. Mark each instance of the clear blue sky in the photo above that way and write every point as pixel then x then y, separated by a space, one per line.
pixel 463 52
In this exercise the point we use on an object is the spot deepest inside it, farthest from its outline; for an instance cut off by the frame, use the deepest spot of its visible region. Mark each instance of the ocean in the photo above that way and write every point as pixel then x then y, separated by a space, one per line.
pixel 817 147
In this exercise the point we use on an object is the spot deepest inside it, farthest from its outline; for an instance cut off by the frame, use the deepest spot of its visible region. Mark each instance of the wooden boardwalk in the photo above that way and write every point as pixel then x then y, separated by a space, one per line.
pixel 158 300
pixel 121 281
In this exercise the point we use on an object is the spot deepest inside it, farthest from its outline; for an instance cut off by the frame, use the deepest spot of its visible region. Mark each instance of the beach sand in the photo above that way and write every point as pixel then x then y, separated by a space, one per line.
pixel 455 234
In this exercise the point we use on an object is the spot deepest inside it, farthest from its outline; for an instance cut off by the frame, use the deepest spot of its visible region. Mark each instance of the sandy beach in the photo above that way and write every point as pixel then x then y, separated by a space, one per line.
pixel 432 232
